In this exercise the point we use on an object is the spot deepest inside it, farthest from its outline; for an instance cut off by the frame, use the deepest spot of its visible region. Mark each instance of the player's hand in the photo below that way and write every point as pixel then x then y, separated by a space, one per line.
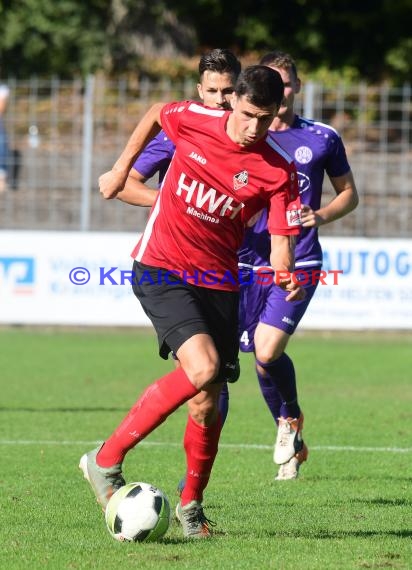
pixel 309 218
pixel 111 183
pixel 296 292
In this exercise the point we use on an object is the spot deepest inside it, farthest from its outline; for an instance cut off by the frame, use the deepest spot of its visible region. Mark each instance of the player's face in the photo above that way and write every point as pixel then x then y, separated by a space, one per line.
pixel 292 87
pixel 248 123
pixel 215 89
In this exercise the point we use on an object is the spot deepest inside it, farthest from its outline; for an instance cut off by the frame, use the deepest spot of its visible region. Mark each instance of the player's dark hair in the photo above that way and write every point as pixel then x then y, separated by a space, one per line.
pixel 221 61
pixel 280 59
pixel 262 85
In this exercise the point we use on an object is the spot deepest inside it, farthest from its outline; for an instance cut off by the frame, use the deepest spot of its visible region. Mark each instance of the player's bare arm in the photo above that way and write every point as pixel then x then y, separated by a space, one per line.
pixel 282 260
pixel 136 192
pixel 345 201
pixel 113 181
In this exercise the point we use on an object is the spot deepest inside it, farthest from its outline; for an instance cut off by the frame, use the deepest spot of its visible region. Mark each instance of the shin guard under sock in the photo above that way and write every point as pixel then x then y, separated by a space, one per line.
pixel 201 445
pixel 156 403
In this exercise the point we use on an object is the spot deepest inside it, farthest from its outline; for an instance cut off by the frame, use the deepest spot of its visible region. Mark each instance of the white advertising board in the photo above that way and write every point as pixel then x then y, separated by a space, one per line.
pixel 374 290
pixel 74 278
pixel 54 278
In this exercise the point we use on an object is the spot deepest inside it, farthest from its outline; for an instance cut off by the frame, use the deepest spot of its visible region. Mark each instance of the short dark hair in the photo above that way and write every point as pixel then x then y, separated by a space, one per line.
pixel 280 59
pixel 221 61
pixel 262 85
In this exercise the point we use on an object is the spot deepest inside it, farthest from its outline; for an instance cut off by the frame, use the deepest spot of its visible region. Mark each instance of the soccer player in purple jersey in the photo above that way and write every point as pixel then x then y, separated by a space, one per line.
pixel 218 71
pixel 267 321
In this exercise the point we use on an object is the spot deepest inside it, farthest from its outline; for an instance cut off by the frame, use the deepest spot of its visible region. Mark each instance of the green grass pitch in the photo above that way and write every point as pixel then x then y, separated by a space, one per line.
pixel 63 391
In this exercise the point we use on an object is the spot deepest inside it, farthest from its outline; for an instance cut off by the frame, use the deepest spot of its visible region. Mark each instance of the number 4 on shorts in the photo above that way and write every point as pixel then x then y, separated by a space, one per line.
pixel 244 339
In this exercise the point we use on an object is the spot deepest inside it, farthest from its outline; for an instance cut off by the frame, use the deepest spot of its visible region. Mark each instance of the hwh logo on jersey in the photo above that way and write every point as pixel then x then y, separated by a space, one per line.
pixel 208 200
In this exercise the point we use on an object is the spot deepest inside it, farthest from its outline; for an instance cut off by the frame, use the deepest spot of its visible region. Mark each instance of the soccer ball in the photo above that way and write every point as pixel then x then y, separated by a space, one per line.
pixel 138 512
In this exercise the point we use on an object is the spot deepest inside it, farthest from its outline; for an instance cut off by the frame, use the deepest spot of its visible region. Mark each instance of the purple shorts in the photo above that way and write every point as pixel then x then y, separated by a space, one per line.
pixel 266 304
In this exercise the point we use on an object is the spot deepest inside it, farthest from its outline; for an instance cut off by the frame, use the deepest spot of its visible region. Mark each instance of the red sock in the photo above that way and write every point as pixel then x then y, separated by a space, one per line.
pixel 201 444
pixel 156 403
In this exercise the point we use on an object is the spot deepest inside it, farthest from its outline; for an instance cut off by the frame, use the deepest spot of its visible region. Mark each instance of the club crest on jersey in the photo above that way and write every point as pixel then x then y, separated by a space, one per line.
pixel 303 155
pixel 293 217
pixel 240 180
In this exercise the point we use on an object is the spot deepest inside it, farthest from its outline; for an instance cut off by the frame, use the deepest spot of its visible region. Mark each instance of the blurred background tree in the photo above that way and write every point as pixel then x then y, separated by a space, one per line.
pixel 371 39
pixel 44 37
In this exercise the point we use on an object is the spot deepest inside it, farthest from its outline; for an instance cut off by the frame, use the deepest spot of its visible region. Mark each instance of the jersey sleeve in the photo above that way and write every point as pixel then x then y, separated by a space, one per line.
pixel 156 156
pixel 285 207
pixel 337 163
pixel 171 115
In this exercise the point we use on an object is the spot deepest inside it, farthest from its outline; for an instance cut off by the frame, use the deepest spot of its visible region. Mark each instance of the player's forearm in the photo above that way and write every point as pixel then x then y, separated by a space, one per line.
pixel 344 202
pixel 145 198
pixel 282 259
pixel 137 193
pixel 338 208
pixel 282 255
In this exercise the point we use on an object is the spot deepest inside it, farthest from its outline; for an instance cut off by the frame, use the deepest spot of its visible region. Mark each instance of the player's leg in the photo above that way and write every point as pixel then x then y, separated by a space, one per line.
pixel 201 411
pixel 254 299
pixel 276 374
pixel 269 342
pixel 275 371
pixel 150 410
pixel 278 386
pixel 201 441
pixel 188 338
pixel 205 422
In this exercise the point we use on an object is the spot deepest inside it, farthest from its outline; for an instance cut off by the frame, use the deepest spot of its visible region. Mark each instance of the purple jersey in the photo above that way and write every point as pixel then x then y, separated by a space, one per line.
pixel 316 148
pixel 156 157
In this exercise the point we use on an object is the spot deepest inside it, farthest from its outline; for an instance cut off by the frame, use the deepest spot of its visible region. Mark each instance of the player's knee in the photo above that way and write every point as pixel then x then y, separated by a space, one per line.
pixel 204 372
pixel 266 354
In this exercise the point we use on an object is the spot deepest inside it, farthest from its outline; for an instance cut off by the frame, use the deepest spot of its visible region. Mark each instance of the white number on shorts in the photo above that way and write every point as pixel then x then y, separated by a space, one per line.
pixel 244 338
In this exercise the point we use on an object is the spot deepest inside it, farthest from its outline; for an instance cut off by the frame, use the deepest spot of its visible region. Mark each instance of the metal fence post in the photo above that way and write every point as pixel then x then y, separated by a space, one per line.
pixel 87 154
pixel 309 100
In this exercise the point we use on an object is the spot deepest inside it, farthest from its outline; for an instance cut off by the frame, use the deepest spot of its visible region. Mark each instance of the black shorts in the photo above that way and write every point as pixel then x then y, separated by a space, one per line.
pixel 179 310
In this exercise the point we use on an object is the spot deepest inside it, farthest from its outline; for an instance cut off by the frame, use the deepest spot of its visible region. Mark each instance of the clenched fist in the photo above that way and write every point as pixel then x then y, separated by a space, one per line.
pixel 111 183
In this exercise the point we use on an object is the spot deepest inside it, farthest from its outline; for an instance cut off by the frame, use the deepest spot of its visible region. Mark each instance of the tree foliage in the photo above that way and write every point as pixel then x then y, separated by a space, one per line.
pixel 373 36
pixel 70 37
pixel 47 37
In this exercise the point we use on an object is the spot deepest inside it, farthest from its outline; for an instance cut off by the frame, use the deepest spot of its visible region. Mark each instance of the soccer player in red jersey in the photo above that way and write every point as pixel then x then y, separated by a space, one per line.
pixel 219 69
pixel 224 171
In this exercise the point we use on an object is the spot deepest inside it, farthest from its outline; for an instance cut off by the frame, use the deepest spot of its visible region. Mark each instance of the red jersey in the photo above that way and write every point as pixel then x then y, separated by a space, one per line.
pixel 212 188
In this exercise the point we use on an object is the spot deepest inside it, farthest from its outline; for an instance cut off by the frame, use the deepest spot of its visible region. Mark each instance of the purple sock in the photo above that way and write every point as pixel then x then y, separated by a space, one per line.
pixel 271 395
pixel 278 387
pixel 224 402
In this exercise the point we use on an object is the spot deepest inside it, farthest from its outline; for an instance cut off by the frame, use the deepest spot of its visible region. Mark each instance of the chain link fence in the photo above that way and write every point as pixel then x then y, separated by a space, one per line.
pixel 64 134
